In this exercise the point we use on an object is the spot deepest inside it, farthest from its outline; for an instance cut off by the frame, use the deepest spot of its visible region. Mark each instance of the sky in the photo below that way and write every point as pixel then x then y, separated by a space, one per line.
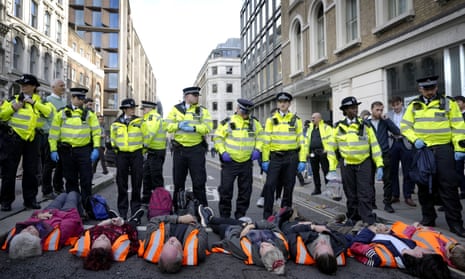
pixel 178 36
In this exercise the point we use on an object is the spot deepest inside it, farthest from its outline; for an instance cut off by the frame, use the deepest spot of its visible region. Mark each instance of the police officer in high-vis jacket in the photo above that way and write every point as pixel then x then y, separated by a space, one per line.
pixel 154 131
pixel 127 140
pixel 355 141
pixel 190 123
pixel 238 142
pixel 74 140
pixel 284 152
pixel 434 121
pixel 21 114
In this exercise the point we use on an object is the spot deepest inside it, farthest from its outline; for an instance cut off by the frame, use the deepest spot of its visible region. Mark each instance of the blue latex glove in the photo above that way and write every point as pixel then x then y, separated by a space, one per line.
pixel 182 124
pixel 419 144
pixel 265 166
pixel 54 156
pixel 332 176
pixel 256 154
pixel 459 156
pixel 379 174
pixel 301 166
pixel 94 155
pixel 226 157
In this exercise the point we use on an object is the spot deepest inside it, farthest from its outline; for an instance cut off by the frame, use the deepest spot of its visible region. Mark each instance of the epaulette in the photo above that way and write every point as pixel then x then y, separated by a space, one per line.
pixel 226 120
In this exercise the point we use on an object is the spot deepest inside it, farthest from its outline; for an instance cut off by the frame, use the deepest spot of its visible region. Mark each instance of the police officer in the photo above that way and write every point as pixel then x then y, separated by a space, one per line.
pixel 127 139
pixel 237 140
pixel 154 130
pixel 75 139
pixel 318 135
pixel 355 141
pixel 190 123
pixel 434 121
pixel 21 114
pixel 283 154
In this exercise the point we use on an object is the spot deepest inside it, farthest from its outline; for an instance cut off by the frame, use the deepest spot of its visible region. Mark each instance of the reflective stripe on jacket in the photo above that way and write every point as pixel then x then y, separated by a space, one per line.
pixel 305 258
pixel 50 243
pixel 127 138
pixel 120 248
pixel 154 130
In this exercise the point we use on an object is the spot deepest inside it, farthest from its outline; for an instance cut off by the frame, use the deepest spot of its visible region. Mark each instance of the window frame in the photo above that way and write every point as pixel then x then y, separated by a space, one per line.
pixel 343 41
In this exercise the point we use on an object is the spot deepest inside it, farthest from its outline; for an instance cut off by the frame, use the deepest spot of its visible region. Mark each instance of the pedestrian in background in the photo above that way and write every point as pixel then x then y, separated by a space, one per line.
pixel 101 151
pixel 355 142
pixel 21 114
pixel 383 128
pixel 190 123
pixel 128 141
pixel 49 185
pixel 75 139
pixel 89 104
pixel 154 131
pixel 238 142
pixel 435 122
pixel 283 154
pixel 401 152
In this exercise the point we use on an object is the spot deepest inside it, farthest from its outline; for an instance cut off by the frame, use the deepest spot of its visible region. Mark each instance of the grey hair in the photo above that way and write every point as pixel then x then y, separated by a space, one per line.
pixel 270 257
pixel 24 245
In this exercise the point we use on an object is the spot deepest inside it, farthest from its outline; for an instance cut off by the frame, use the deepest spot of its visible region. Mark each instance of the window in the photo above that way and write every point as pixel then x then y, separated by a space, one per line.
pixel 58 31
pixel 47 24
pixel 97 39
pixel 18 8
pixel 113 40
pixel 229 88
pixel 391 12
pixel 74 46
pixel 73 74
pixel 112 80
pixel 214 106
pixel 18 49
pixel 47 64
pixel 396 8
pixel 320 32
pixel 81 78
pixel 33 60
pixel 296 48
pixel 97 3
pixel 214 88
pixel 33 20
pixel 96 18
pixel 112 60
pixel 229 70
pixel 86 83
pixel 114 20
pixel 214 70
pixel 317 31
pixel 114 4
pixel 215 124
pixel 58 69
pixel 81 52
pixel 347 20
pixel 229 106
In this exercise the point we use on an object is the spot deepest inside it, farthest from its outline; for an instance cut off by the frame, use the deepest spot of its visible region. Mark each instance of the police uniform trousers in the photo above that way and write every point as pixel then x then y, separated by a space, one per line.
pixel 47 169
pixel 399 153
pixel 77 170
pixel 192 160
pixel 447 187
pixel 129 163
pixel 283 168
pixel 459 167
pixel 229 172
pixel 318 159
pixel 29 150
pixel 153 172
pixel 358 188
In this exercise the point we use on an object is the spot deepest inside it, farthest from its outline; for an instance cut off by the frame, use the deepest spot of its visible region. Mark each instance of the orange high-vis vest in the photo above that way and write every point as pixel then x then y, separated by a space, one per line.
pixel 157 240
pixel 50 243
pixel 246 246
pixel 120 248
pixel 399 229
pixel 387 258
pixel 304 257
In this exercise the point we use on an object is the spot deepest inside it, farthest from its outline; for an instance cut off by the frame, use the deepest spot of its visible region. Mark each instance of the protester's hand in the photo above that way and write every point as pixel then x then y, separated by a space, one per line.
pixel 94 155
pixel 44 215
pixel 226 157
pixel 419 144
pixel 247 229
pixel 187 219
pixel 117 221
pixel 256 155
pixel 265 166
pixel 54 156
pixel 301 166
pixel 379 174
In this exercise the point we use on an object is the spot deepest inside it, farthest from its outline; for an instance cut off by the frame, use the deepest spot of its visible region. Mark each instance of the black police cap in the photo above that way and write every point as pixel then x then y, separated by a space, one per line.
pixel 428 82
pixel 128 103
pixel 191 90
pixel 148 104
pixel 349 101
pixel 28 79
pixel 245 104
pixel 283 96
pixel 75 91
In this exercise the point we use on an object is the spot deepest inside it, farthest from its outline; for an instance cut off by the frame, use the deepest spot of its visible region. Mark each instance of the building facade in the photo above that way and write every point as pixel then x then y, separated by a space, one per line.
pixel 220 80
pixel 369 49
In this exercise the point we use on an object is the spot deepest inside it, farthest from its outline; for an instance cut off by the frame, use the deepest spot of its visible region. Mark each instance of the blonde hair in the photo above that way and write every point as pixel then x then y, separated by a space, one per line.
pixel 25 245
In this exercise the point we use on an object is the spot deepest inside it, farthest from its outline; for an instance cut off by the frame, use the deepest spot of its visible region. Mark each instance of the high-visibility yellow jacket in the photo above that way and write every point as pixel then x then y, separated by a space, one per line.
pixel 43 122
pixel 154 131
pixel 283 134
pixel 197 117
pixel 76 127
pixel 439 122
pixel 239 137
pixel 326 132
pixel 127 137
pixel 25 120
pixel 355 143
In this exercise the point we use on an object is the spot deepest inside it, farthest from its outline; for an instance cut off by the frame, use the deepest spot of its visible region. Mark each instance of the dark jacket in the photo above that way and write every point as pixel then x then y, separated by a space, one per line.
pixel 382 132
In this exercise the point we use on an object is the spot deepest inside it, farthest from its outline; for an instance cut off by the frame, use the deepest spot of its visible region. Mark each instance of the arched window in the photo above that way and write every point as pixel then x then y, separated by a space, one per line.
pixel 33 60
pixel 47 66
pixel 18 50
pixel 296 47
pixel 317 33
pixel 58 69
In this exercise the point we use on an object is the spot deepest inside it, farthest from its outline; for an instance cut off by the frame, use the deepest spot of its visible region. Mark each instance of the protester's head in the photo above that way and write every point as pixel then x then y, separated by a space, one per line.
pixel 429 266
pixel 323 253
pixel 456 254
pixel 100 256
pixel 25 244
pixel 171 256
pixel 272 258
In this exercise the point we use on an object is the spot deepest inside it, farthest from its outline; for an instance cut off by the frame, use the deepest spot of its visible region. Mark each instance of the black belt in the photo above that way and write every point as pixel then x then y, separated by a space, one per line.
pixel 282 153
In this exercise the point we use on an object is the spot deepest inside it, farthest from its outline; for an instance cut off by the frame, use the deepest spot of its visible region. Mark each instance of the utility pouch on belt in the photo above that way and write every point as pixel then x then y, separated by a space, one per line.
pixel 64 146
